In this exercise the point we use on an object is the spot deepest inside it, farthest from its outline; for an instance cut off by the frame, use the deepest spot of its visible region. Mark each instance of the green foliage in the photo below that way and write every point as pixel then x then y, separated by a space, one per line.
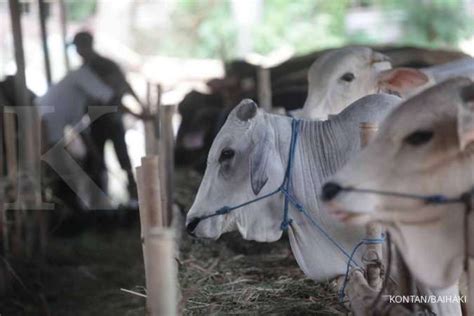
pixel 201 28
pixel 305 25
pixel 434 22
pixel 206 28
pixel 80 10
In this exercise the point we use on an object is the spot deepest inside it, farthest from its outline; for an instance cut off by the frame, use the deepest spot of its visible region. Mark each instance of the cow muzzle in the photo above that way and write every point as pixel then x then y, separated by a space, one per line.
pixel 191 226
pixel 330 191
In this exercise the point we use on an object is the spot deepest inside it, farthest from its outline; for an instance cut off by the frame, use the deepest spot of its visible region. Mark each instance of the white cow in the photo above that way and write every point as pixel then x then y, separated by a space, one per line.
pixel 417 151
pixel 345 75
pixel 248 159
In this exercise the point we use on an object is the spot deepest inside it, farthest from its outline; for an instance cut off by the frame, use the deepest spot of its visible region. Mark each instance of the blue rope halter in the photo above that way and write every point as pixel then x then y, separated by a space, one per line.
pixel 289 199
pixel 284 188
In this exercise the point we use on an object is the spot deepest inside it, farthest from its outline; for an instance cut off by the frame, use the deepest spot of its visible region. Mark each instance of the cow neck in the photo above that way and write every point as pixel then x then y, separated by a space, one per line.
pixel 319 153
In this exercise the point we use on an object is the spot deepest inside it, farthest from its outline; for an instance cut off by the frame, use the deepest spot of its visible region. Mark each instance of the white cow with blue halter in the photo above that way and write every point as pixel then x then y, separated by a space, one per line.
pixel 248 160
pixel 412 177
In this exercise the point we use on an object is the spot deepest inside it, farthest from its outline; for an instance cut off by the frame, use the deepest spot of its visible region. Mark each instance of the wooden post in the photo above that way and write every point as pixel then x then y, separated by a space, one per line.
pixel 162 273
pixel 30 189
pixel 144 217
pixel 373 252
pixel 3 274
pixel 159 93
pixel 12 168
pixel 151 142
pixel 63 21
pixel 20 79
pixel 43 15
pixel 151 191
pixel 264 89
pixel 167 160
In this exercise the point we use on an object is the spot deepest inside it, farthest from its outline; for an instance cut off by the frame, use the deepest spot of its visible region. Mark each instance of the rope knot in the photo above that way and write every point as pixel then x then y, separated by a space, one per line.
pixel 285 224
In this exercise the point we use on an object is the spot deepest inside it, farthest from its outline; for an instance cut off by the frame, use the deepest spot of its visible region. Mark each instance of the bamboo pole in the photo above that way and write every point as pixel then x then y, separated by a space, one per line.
pixel 159 94
pixel 11 176
pixel 63 26
pixel 264 89
pixel 151 142
pixel 167 160
pixel 143 212
pixel 162 273
pixel 151 190
pixel 43 15
pixel 40 215
pixel 373 252
pixel 3 274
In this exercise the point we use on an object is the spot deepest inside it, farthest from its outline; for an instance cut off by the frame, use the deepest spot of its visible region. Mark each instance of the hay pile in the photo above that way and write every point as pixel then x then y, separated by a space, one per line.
pixel 217 278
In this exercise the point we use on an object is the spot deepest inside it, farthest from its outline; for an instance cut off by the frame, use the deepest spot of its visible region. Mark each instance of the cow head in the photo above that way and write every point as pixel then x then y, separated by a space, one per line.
pixel 342 76
pixel 242 165
pixel 424 148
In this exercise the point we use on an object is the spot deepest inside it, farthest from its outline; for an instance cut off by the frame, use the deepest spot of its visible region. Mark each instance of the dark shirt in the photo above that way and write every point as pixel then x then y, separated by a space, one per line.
pixel 111 74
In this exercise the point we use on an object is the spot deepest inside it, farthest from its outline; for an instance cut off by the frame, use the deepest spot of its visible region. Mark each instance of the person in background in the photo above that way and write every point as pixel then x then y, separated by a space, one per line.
pixel 109 126
pixel 69 99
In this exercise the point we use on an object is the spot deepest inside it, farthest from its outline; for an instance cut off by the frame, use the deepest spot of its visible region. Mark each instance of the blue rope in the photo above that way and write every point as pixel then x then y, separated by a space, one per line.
pixel 285 189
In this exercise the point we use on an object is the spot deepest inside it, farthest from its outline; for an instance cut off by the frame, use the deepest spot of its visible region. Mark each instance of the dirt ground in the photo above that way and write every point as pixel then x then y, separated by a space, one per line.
pixel 83 275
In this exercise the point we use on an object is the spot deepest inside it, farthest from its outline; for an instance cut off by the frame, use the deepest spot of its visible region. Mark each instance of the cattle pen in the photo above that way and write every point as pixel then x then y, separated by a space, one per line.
pixel 256 157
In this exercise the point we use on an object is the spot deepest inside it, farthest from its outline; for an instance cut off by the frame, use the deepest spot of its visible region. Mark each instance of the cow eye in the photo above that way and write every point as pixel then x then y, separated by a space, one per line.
pixel 418 138
pixel 348 77
pixel 226 154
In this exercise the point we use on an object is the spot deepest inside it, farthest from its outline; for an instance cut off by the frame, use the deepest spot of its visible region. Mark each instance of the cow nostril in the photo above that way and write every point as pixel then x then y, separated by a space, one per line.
pixel 192 225
pixel 330 190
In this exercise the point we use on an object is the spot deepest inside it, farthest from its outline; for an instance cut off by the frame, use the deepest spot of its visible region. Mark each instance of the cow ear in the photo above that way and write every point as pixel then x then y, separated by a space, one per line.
pixel 402 80
pixel 258 164
pixel 246 110
pixel 466 117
